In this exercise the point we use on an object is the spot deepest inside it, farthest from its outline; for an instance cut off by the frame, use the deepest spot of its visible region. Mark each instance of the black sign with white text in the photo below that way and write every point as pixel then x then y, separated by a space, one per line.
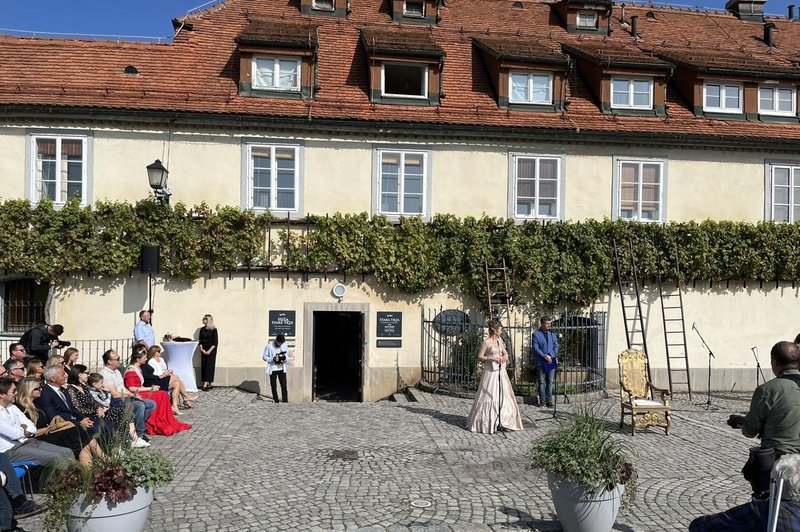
pixel 281 322
pixel 390 325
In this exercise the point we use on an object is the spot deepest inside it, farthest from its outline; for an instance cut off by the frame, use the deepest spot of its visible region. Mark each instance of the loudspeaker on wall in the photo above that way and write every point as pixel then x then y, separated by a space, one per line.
pixel 150 259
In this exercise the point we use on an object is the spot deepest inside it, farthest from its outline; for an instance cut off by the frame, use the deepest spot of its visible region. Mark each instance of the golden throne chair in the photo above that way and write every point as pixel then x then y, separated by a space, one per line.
pixel 637 394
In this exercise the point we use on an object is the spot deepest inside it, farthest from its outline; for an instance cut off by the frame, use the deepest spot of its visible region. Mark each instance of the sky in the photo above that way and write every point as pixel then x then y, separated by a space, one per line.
pixel 152 18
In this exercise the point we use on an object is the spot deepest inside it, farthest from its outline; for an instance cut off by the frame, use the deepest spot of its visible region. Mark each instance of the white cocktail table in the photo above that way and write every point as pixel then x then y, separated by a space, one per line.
pixel 179 359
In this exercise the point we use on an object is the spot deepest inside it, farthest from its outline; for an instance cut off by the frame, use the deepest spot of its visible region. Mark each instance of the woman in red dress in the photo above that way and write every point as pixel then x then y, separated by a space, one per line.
pixel 161 421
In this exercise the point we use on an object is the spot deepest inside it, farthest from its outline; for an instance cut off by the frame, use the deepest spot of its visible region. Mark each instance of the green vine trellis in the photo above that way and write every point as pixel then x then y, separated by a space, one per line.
pixel 555 263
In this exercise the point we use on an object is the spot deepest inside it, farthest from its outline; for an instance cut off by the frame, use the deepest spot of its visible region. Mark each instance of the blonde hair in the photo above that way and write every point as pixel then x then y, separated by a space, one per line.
pixel 493 326
pixel 55 359
pixel 210 322
pixel 31 370
pixel 25 389
pixel 154 349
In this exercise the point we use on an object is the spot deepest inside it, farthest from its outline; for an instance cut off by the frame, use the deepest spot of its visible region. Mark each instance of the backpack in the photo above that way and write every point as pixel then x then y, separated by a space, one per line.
pixel 25 340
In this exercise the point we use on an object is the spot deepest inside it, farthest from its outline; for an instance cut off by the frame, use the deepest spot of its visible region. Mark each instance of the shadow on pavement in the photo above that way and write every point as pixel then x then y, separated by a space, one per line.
pixel 452 419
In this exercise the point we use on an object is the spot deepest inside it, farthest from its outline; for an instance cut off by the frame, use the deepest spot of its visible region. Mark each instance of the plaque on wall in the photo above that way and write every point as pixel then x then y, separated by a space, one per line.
pixel 281 322
pixel 451 322
pixel 390 325
pixel 389 343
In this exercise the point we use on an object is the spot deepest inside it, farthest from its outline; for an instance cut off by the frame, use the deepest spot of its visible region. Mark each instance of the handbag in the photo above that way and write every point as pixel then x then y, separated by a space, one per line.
pixel 757 469
pixel 57 424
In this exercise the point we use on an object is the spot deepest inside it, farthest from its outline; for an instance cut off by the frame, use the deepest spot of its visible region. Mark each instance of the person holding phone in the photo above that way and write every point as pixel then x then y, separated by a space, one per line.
pixel 275 355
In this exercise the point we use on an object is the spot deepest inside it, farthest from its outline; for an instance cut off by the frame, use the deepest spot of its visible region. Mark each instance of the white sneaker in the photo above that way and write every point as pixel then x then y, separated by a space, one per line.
pixel 139 443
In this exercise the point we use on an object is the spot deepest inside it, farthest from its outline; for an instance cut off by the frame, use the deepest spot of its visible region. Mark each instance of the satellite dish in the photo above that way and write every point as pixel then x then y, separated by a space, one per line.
pixel 339 290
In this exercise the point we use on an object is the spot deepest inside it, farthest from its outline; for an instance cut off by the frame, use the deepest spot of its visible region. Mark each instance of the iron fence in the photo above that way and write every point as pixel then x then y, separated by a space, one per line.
pixel 91 351
pixel 19 316
pixel 451 340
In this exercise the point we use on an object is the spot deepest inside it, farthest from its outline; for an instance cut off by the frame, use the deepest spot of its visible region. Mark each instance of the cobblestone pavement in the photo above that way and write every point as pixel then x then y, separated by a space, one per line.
pixel 252 465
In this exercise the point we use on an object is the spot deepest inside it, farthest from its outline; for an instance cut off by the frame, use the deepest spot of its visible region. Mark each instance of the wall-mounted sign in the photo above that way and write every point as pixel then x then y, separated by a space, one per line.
pixel 390 325
pixel 281 322
pixel 389 343
pixel 451 322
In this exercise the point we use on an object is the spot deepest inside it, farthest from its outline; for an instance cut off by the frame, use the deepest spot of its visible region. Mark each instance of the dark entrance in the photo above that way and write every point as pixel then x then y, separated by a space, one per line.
pixel 338 355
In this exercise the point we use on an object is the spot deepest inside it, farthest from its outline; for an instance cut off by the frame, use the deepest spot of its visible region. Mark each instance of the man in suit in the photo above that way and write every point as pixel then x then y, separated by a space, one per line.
pixel 545 350
pixel 55 402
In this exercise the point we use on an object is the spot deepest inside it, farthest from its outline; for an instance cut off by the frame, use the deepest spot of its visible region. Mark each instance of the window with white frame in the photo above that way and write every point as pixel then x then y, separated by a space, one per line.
pixel 273 177
pixel 785 184
pixel 276 73
pixel 587 20
pixel 414 8
pixel 631 93
pixel 402 182
pixel 537 182
pixel 59 168
pixel 722 97
pixel 640 190
pixel 323 5
pixel 531 87
pixel 777 100
pixel 404 80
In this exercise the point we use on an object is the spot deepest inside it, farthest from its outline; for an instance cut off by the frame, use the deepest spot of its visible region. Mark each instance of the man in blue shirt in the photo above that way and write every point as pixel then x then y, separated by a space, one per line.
pixel 753 515
pixel 545 351
pixel 143 332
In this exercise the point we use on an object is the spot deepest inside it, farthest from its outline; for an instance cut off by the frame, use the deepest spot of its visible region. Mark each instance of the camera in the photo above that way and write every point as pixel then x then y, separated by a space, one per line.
pixel 63 343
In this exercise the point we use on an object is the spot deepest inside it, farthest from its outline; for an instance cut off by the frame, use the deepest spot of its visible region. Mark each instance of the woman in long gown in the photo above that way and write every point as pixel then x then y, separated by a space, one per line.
pixel 209 341
pixel 161 421
pixel 495 406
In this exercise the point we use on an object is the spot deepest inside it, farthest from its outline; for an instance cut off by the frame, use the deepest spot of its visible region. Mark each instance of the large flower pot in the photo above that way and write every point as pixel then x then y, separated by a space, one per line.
pixel 582 510
pixel 105 516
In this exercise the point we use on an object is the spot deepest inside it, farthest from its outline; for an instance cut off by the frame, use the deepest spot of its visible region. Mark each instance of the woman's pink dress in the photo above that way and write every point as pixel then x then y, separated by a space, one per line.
pixel 161 421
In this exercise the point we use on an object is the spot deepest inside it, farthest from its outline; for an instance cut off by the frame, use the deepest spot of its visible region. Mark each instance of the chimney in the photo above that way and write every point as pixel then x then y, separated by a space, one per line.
pixel 635 26
pixel 749 10
pixel 790 16
pixel 622 13
pixel 769 32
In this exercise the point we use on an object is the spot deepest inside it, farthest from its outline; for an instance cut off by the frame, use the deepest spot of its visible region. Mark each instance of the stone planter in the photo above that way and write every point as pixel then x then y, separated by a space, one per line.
pixel 581 510
pixel 105 516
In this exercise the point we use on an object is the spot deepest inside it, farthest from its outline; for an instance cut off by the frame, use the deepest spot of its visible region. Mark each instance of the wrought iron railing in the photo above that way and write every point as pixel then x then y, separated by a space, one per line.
pixel 91 351
pixel 451 340
pixel 19 316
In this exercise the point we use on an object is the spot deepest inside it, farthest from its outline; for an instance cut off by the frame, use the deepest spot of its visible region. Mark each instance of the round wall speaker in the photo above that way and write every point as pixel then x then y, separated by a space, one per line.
pixel 339 290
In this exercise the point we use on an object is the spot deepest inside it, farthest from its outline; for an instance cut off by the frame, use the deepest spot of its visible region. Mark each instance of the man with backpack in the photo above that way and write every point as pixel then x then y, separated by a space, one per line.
pixel 39 340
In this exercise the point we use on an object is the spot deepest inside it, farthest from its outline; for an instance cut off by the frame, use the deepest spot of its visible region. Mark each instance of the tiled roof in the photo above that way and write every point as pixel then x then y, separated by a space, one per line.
pixel 198 73
pixel 299 34
pixel 542 49
pixel 400 41
pixel 732 62
pixel 619 55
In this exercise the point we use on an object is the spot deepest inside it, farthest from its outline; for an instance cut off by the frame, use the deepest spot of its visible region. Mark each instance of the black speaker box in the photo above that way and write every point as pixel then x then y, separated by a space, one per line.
pixel 150 259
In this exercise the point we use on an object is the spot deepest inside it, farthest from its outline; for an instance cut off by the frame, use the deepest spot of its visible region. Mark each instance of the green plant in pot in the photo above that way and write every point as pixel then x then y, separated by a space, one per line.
pixel 589 474
pixel 113 493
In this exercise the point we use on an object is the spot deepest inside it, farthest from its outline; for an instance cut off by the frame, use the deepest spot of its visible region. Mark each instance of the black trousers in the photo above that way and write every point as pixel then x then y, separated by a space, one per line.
pixel 281 375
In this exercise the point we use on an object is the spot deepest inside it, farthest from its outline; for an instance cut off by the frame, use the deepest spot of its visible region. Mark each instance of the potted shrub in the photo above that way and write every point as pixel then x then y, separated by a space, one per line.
pixel 589 474
pixel 114 493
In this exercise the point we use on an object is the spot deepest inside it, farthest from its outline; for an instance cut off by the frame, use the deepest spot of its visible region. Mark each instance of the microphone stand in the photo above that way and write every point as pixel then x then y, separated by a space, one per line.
pixel 758 366
pixel 710 356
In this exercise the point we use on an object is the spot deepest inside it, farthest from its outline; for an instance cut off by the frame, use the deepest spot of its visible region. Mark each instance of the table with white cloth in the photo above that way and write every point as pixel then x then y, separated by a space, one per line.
pixel 179 357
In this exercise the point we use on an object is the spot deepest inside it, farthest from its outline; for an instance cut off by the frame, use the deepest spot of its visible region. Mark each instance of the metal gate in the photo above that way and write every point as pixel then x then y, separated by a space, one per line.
pixel 452 338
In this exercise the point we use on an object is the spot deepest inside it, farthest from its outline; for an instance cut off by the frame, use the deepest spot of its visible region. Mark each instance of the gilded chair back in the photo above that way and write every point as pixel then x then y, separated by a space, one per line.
pixel 633 374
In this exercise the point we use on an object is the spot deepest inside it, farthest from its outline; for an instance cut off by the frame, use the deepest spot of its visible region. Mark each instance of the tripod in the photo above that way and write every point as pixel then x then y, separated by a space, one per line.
pixel 710 356
pixel 758 366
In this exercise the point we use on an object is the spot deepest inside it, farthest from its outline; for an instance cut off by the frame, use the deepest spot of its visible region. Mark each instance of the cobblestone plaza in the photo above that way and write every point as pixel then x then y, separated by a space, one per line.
pixel 252 465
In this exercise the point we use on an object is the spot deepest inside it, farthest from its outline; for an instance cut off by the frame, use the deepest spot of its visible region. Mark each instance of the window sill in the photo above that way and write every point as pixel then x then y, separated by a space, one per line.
pixel 778 119
pixel 724 116
pixel 395 218
pixel 246 90
pixel 431 101
pixel 533 107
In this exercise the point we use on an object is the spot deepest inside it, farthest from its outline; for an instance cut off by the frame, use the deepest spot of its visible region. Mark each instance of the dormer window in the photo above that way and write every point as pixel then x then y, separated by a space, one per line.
pixel 531 87
pixel 414 8
pixel 587 20
pixel 777 100
pixel 722 97
pixel 404 66
pixel 276 60
pixel 404 80
pixel 323 5
pixel 631 93
pixel 276 73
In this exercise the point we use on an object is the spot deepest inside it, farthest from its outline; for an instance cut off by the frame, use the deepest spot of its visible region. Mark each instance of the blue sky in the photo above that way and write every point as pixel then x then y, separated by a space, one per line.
pixel 151 18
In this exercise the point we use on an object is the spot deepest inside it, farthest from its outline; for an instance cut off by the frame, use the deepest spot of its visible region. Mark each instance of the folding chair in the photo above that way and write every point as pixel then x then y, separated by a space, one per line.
pixel 23 470
pixel 775 492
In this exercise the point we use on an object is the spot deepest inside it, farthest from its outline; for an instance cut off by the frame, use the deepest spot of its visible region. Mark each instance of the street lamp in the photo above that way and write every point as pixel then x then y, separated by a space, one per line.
pixel 157 175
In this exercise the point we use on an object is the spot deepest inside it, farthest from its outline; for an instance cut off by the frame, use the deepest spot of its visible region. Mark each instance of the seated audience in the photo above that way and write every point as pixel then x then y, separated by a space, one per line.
pixel 78 392
pixel 71 356
pixel 17 432
pixel 55 360
pixel 120 396
pixel 754 514
pixel 55 402
pixel 83 446
pixel 11 489
pixel 15 369
pixel 16 351
pixel 35 368
pixel 162 421
pixel 168 377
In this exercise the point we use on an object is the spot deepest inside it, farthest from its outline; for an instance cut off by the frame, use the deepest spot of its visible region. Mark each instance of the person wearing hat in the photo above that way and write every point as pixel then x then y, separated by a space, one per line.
pixel 275 354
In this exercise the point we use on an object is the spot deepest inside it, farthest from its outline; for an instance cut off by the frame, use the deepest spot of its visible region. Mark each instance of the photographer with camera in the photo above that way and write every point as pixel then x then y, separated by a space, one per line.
pixel 39 340
pixel 275 354
pixel 774 417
